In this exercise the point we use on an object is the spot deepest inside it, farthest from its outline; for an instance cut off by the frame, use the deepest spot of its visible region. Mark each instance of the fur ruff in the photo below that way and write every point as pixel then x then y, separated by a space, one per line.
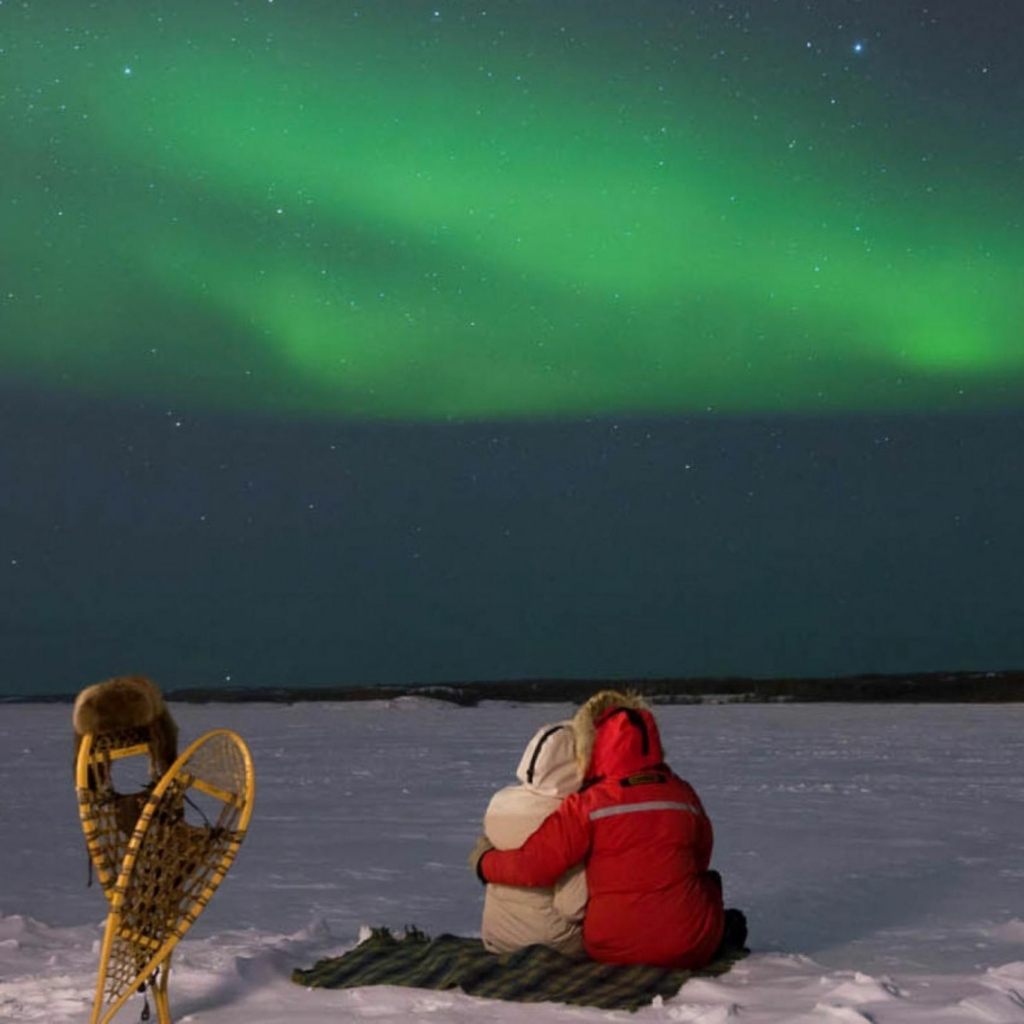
pixel 585 719
pixel 127 702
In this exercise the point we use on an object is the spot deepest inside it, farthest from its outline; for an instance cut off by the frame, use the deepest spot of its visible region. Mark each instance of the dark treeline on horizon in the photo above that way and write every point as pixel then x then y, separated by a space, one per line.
pixel 925 687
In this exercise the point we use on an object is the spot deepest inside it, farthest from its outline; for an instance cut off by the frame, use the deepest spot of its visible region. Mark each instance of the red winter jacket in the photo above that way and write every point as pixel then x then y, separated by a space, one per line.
pixel 647 845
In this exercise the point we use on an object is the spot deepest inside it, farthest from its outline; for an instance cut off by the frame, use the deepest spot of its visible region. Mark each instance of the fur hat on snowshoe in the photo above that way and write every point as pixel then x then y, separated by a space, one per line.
pixel 127 702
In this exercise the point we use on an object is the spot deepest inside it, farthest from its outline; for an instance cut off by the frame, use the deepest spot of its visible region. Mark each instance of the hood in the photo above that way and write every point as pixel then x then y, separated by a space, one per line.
pixel 616 735
pixel 548 765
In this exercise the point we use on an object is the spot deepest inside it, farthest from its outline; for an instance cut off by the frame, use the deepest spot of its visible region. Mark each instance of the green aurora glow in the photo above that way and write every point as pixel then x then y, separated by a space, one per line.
pixel 293 209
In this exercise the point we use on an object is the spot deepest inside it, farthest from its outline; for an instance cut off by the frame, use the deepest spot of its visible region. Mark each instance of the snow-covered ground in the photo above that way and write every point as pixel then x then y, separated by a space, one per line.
pixel 877 850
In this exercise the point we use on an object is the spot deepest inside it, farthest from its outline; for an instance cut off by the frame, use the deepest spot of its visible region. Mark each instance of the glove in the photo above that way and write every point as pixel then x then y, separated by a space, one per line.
pixel 483 845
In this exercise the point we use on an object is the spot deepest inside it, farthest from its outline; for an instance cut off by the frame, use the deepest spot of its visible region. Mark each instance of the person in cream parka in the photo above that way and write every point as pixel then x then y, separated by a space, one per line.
pixel 515 916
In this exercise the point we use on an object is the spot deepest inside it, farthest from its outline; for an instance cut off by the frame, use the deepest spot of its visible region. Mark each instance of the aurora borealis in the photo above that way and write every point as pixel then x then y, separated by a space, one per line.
pixel 412 210
pixel 355 343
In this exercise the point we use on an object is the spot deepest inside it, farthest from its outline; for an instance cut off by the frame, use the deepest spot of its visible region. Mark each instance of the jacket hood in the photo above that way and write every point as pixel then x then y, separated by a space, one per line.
pixel 616 735
pixel 548 765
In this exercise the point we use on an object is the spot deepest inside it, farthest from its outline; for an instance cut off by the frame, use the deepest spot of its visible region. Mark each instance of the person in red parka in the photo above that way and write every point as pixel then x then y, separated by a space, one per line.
pixel 644 837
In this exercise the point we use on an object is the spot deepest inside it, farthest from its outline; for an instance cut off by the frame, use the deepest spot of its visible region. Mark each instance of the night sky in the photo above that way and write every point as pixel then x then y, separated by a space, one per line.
pixel 398 342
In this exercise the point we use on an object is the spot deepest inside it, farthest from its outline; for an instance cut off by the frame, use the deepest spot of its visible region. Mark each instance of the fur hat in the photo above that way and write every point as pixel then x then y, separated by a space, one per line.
pixel 127 702
pixel 584 722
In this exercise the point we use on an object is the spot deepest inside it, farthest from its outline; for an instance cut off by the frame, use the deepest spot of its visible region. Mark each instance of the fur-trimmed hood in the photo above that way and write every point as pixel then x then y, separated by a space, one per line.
pixel 616 735
pixel 548 765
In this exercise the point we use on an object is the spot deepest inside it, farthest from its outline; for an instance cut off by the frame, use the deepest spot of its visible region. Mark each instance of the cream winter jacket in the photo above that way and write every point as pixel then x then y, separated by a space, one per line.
pixel 513 916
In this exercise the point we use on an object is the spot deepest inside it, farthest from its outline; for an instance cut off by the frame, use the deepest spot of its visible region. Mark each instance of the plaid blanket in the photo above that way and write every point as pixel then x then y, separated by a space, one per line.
pixel 535 974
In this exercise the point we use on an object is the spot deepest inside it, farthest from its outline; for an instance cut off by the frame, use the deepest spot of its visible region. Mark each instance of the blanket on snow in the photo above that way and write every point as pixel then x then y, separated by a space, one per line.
pixel 536 974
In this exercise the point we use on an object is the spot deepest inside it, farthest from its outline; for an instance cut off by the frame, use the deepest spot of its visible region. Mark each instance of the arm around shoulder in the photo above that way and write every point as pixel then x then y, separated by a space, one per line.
pixel 560 843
